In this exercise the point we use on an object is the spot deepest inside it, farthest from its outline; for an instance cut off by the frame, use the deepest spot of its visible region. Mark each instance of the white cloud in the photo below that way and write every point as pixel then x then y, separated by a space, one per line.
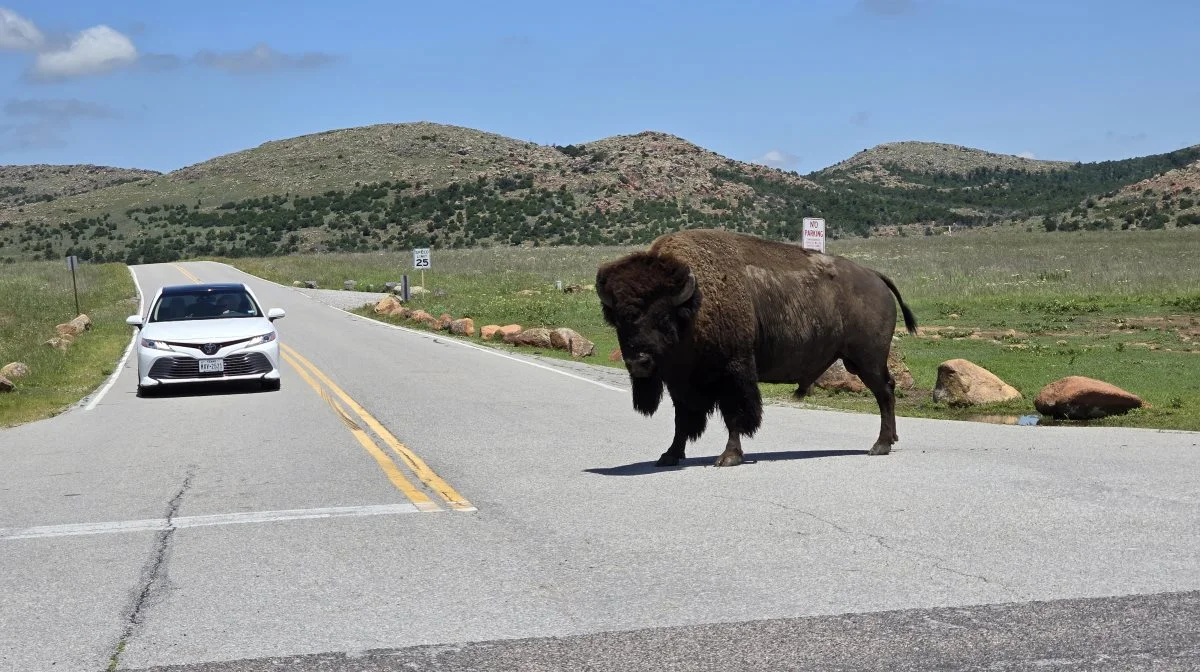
pixel 94 51
pixel 101 49
pixel 260 58
pixel 777 158
pixel 1027 155
pixel 18 33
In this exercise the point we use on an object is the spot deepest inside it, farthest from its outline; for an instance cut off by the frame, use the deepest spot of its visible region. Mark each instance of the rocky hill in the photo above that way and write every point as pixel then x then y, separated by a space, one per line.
pixel 25 185
pixel 396 186
pixel 1170 198
pixel 878 163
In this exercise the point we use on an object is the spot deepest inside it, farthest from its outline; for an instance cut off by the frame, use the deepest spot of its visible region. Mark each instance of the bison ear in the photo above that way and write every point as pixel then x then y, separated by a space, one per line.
pixel 689 288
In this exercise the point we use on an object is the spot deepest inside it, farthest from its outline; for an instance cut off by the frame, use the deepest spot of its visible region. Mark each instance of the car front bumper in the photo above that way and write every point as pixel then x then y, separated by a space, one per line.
pixel 182 365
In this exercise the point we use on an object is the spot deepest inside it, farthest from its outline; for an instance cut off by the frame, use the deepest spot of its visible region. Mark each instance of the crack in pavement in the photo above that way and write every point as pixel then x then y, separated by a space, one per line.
pixel 882 541
pixel 152 573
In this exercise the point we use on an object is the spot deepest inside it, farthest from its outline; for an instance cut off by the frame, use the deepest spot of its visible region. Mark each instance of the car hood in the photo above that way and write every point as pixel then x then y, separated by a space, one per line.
pixel 207 331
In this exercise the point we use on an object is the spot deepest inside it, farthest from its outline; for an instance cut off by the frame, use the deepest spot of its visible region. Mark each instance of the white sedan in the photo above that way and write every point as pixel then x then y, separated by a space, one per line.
pixel 206 332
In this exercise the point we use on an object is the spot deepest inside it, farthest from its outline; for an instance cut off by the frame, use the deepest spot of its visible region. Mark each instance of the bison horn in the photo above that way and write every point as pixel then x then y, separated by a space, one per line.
pixel 689 288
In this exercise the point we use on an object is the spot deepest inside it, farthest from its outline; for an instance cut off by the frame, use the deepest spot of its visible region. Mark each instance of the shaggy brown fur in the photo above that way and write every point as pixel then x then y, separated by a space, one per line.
pixel 708 314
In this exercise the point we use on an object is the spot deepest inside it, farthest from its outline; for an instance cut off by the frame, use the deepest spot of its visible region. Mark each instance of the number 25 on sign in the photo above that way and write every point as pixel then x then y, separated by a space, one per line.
pixel 421 261
pixel 814 234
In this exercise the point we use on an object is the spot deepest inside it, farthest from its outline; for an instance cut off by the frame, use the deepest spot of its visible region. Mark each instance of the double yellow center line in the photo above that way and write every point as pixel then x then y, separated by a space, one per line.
pixel 318 381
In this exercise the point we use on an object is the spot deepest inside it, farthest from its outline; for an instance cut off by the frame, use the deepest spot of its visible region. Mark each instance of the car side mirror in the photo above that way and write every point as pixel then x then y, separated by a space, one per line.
pixel 275 314
pixel 134 321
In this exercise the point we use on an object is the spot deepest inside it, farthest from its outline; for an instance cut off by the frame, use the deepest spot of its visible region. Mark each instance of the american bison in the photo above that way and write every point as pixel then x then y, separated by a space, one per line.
pixel 709 314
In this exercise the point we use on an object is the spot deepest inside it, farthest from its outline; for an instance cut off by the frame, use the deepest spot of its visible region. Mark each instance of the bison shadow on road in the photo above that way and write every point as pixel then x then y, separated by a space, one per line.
pixel 648 467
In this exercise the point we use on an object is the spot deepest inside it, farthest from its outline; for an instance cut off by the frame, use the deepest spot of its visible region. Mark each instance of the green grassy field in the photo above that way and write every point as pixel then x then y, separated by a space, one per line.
pixel 1123 307
pixel 34 297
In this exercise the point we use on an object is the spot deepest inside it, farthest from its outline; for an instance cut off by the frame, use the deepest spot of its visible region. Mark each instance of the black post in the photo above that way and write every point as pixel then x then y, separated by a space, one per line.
pixel 75 288
pixel 405 291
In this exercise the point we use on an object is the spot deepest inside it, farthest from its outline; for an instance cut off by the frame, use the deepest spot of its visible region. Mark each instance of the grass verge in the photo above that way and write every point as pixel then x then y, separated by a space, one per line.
pixel 1032 308
pixel 36 296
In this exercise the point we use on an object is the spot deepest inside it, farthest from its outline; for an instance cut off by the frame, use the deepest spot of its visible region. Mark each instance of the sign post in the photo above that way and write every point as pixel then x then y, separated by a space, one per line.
pixel 814 234
pixel 72 262
pixel 421 261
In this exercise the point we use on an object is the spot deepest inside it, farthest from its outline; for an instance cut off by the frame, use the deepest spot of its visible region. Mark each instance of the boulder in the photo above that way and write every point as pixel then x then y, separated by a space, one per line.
pixel 310 284
pixel 65 329
pixel 443 322
pixel 60 342
pixel 297 283
pixel 423 317
pixel 571 341
pixel 81 323
pixel 572 289
pixel 6 385
pixel 964 383
pixel 1082 398
pixel 537 337
pixel 900 372
pixel 528 292
pixel 463 327
pixel 488 331
pixel 837 378
pixel 14 370
pixel 417 290
pixel 509 332
pixel 582 347
pixel 349 285
pixel 388 305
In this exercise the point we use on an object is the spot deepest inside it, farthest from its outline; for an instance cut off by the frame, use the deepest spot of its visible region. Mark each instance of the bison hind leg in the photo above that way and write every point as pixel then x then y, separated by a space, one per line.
pixel 879 380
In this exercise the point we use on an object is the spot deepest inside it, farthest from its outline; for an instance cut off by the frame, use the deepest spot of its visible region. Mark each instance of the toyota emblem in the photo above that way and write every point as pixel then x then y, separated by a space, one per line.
pixel 210 348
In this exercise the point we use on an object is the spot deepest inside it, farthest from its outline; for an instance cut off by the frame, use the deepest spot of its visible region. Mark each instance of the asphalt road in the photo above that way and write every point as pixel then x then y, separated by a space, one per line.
pixel 245 530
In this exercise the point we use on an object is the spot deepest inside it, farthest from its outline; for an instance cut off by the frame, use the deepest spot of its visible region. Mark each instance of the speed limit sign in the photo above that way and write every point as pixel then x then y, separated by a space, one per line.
pixel 421 258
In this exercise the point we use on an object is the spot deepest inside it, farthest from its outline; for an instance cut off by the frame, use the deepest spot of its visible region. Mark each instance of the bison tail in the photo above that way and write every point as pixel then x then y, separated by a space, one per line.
pixel 910 321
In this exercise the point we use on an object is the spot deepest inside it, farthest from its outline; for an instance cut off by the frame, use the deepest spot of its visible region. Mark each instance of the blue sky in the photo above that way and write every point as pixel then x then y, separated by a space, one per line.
pixel 799 85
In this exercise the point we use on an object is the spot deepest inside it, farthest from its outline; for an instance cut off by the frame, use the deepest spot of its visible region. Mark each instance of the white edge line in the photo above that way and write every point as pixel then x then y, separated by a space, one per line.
pixel 112 379
pixel 427 335
pixel 159 524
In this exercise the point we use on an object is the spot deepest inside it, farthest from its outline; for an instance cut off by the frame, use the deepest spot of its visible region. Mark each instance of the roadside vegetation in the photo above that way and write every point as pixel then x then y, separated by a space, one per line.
pixel 1123 307
pixel 36 296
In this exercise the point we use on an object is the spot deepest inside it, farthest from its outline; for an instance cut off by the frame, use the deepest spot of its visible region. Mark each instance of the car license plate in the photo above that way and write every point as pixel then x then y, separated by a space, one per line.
pixel 212 365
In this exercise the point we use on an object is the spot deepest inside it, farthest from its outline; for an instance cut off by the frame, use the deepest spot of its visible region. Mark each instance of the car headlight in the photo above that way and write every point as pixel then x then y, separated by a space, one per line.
pixel 155 345
pixel 259 340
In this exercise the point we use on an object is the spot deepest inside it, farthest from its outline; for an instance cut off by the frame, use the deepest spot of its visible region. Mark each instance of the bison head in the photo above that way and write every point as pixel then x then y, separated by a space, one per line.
pixel 651 301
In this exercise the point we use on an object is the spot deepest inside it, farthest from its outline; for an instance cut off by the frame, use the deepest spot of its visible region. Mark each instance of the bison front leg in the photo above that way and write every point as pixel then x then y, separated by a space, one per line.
pixel 689 425
pixel 741 406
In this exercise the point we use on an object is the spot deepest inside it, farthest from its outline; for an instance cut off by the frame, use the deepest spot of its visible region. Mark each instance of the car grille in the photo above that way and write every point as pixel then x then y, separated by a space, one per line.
pixel 217 344
pixel 169 368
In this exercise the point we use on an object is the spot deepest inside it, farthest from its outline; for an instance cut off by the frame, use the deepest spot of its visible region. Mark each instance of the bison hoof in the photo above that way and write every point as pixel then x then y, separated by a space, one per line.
pixel 728 460
pixel 667 460
pixel 880 449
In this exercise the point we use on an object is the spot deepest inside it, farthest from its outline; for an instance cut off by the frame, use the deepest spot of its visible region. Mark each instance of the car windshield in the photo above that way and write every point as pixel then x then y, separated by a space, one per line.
pixel 204 304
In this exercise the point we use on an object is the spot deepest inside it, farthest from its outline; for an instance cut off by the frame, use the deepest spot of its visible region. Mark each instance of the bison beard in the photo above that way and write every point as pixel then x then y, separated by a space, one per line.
pixel 707 315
